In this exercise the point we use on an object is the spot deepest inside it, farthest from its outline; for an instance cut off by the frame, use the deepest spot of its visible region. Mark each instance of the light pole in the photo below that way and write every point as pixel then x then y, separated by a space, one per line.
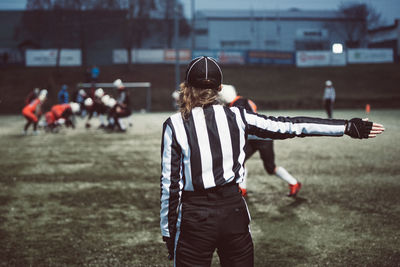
pixel 193 25
pixel 176 38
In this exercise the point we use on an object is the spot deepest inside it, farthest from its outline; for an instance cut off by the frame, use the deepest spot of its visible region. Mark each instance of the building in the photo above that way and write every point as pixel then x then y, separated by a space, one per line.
pixel 386 37
pixel 277 30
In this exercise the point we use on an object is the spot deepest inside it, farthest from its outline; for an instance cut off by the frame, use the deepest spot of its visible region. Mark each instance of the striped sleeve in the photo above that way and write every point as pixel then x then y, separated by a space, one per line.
pixel 289 127
pixel 170 180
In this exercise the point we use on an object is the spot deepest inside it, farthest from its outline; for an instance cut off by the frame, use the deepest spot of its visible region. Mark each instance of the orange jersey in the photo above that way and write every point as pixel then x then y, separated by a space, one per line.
pixel 239 101
pixel 50 119
pixel 58 110
pixel 31 110
pixel 31 107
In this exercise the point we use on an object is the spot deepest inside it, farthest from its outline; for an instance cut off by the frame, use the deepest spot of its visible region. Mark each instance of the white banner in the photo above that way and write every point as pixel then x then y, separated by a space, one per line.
pixel 338 59
pixel 120 56
pixel 312 58
pixel 185 55
pixel 231 57
pixel 148 56
pixel 319 58
pixel 48 57
pixel 371 55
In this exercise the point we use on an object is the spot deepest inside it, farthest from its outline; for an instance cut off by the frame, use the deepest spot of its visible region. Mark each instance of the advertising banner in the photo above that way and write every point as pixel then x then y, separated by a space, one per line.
pixel 120 56
pixel 185 55
pixel 371 55
pixel 223 57
pixel 148 56
pixel 312 58
pixel 270 57
pixel 48 57
pixel 208 53
pixel 319 58
pixel 231 57
pixel 338 59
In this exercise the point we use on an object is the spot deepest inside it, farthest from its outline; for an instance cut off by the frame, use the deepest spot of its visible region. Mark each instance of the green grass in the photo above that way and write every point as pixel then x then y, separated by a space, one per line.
pixel 89 198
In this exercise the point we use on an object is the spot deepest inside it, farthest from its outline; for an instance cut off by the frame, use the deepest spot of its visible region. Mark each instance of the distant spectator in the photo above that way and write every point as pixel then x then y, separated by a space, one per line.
pixel 95 72
pixel 63 96
pixel 329 98
pixel 32 96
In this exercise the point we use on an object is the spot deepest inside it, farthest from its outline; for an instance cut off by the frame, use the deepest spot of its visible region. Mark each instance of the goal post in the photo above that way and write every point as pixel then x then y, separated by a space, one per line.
pixel 143 85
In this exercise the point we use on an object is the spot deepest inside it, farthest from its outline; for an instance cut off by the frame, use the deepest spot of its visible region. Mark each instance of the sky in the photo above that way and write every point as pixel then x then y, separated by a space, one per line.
pixel 389 9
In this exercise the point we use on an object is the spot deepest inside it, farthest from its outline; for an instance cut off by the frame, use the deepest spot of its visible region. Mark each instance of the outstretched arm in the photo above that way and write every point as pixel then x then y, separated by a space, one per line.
pixel 289 127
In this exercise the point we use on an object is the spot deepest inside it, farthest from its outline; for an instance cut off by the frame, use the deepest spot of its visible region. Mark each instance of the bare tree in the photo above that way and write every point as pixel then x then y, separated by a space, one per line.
pixel 357 19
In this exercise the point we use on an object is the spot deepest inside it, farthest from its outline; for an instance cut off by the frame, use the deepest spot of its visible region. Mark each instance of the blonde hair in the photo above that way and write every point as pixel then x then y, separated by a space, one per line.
pixel 191 97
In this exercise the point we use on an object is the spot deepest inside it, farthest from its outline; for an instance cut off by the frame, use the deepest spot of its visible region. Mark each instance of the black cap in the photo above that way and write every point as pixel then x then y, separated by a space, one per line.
pixel 204 72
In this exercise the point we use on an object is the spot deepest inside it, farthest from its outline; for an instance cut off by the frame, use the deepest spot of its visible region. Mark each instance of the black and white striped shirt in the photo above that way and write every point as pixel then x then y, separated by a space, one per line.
pixel 207 149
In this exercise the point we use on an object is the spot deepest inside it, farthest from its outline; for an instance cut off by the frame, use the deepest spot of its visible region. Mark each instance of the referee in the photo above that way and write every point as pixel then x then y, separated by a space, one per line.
pixel 202 157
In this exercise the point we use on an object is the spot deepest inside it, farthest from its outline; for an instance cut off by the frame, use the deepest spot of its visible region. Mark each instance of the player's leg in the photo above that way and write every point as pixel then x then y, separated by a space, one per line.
pixel 26 127
pixel 328 108
pixel 266 150
pixel 122 114
pixel 31 119
pixel 249 150
pixel 267 154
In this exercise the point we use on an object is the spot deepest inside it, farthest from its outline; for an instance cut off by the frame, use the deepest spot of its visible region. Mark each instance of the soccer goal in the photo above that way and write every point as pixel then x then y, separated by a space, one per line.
pixel 128 85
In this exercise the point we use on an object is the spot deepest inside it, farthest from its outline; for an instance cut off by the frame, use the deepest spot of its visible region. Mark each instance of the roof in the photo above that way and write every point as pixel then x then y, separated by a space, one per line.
pixel 290 14
pixel 385 28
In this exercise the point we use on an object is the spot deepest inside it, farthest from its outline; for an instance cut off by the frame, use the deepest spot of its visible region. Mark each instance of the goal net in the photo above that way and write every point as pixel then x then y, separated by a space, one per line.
pixel 139 99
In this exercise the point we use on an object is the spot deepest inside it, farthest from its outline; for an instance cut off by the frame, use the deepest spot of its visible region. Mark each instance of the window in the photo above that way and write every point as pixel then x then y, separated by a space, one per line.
pixel 201 31
pixel 235 44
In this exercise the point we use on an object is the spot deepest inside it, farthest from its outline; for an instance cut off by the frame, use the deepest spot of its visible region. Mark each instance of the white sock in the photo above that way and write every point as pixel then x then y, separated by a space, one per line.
pixel 122 124
pixel 285 175
pixel 243 184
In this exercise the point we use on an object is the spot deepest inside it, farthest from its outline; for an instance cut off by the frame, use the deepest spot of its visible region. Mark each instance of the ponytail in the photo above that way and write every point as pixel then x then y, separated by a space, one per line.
pixel 191 97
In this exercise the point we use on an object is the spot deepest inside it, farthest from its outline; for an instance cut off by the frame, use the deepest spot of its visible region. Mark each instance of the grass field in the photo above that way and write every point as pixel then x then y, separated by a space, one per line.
pixel 89 198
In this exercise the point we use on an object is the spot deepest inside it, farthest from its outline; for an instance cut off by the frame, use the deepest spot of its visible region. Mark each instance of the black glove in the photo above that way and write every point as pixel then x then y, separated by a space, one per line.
pixel 170 243
pixel 357 128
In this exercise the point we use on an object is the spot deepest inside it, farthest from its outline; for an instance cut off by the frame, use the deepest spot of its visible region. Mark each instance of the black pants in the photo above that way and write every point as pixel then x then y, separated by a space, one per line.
pixel 329 107
pixel 266 149
pixel 214 220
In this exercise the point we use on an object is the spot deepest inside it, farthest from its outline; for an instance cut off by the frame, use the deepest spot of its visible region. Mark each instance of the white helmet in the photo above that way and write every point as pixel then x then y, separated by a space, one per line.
pixel 99 92
pixel 82 92
pixel 42 95
pixel 43 92
pixel 88 102
pixel 175 95
pixel 105 99
pixel 227 93
pixel 118 83
pixel 75 107
pixel 328 83
pixel 111 102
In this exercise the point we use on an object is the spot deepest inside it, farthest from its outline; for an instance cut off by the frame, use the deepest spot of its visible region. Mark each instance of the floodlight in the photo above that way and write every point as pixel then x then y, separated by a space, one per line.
pixel 337 48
